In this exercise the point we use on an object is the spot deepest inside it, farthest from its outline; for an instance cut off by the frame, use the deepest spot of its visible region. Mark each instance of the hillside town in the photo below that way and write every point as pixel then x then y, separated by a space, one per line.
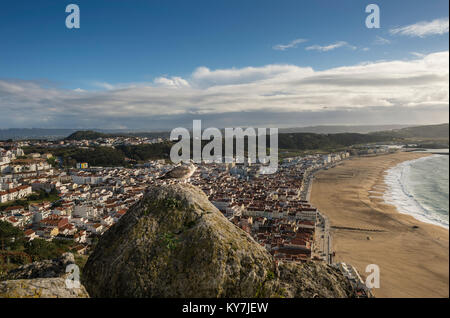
pixel 80 204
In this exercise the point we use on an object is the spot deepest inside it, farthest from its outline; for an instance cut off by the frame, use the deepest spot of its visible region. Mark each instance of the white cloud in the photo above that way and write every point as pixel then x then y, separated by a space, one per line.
pixel 104 85
pixel 381 41
pixel 292 44
pixel 174 81
pixel 287 89
pixel 330 47
pixel 423 29
pixel 204 77
pixel 416 54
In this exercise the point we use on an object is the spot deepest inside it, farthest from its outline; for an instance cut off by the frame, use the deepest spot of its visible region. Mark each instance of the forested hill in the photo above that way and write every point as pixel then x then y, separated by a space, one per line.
pixel 430 131
pixel 92 135
pixel 123 155
pixel 310 141
pixel 86 135
pixel 107 156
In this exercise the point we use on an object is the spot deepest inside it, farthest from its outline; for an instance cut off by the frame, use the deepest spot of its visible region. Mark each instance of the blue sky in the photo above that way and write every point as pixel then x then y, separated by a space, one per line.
pixel 123 44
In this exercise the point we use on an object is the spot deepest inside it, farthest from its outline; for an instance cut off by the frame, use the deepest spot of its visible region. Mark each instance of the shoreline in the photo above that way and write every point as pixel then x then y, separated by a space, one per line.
pixel 387 195
pixel 412 255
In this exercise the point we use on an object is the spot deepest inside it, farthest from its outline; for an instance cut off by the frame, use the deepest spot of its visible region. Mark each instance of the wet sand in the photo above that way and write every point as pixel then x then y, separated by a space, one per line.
pixel 413 262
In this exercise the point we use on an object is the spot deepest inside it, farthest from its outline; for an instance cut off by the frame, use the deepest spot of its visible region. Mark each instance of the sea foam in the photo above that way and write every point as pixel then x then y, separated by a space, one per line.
pixel 410 195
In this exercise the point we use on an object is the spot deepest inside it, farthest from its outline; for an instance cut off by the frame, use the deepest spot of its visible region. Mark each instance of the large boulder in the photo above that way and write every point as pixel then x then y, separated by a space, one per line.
pixel 175 243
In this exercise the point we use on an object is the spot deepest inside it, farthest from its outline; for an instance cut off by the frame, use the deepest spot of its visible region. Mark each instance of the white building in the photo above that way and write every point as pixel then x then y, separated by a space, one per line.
pixel 85 211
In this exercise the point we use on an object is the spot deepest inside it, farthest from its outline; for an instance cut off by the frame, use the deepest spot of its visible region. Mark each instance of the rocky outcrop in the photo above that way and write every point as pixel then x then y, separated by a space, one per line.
pixel 43 269
pixel 311 280
pixel 175 243
pixel 40 288
pixel 43 279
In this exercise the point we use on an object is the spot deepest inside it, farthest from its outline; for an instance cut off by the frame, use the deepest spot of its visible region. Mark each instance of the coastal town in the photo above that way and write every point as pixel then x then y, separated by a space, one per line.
pixel 79 204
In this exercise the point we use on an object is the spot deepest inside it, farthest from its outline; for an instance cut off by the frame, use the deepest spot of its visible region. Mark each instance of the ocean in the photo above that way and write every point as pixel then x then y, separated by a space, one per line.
pixel 421 188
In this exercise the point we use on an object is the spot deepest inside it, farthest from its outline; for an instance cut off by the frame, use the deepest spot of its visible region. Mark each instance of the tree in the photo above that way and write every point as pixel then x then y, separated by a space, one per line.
pixel 11 238
pixel 40 249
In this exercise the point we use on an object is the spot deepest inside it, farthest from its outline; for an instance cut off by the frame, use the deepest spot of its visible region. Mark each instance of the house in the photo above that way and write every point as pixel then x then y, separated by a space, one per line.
pixel 12 210
pixel 49 232
pixel 15 193
pixel 67 229
pixel 30 234
pixel 80 237
pixel 85 211
pixel 37 207
pixel 3 196
pixel 80 249
pixel 107 220
pixel 119 214
pixel 40 215
pixel 13 220
pixel 95 228
pixel 54 221
pixel 46 186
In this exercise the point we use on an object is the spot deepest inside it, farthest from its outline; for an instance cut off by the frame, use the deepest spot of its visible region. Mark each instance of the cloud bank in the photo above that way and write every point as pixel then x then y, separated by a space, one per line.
pixel 272 95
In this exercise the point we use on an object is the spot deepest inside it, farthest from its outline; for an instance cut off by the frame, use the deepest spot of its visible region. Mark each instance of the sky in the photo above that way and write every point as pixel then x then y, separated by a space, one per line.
pixel 159 64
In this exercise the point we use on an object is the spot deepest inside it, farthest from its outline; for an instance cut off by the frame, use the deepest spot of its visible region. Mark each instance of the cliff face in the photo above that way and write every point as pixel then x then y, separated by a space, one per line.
pixel 175 243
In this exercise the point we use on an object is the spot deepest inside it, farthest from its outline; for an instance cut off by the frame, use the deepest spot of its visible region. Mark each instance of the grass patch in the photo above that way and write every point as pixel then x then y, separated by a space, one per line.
pixel 169 240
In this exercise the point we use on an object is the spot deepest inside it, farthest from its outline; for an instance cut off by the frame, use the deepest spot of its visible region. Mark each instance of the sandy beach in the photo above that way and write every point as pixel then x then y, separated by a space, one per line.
pixel 413 262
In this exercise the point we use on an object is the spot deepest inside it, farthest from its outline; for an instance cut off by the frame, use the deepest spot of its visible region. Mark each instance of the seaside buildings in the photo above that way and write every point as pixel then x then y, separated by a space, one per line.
pixel 272 208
